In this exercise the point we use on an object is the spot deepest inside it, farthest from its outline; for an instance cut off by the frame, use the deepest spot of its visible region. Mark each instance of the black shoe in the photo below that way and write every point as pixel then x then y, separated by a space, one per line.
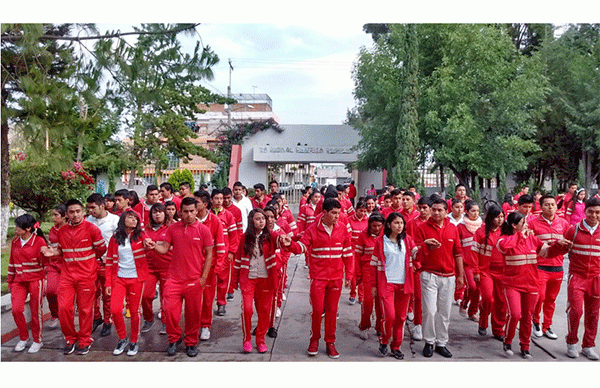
pixel 69 348
pixel 191 351
pixel 499 337
pixel 383 349
pixel 482 332
pixel 83 350
pixel 254 331
pixel 97 322
pixel 272 332
pixel 428 350
pixel 443 351
pixel 221 310
pixel 229 297
pixel 172 349
pixel 396 353
pixel 105 330
pixel 147 326
pixel 163 329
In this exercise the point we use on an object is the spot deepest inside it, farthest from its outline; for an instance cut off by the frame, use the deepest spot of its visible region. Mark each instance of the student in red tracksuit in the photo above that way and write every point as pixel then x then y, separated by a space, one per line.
pixel 409 209
pixel 487 272
pixel 393 259
pixel 81 244
pixel 230 229
pixel 286 213
pixel 220 249
pixel 576 209
pixel 358 223
pixel 466 229
pixel 53 269
pixel 365 274
pixel 548 228
pixel 327 243
pixel 158 266
pixel 520 278
pixel 260 199
pixel 192 259
pixel 166 194
pixel 307 213
pixel 171 213
pixel 396 205
pixel 583 292
pixel 255 269
pixel 26 276
pixel 143 208
pixel 126 272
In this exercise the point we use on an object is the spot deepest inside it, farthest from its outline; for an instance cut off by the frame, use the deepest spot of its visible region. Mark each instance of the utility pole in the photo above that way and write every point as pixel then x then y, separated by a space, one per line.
pixel 229 96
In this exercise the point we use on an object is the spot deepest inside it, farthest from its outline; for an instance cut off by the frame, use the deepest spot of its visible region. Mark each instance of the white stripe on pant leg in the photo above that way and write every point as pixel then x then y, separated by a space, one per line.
pixel 39 307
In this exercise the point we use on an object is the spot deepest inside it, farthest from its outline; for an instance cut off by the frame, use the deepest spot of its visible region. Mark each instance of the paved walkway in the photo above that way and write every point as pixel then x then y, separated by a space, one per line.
pixel 294 327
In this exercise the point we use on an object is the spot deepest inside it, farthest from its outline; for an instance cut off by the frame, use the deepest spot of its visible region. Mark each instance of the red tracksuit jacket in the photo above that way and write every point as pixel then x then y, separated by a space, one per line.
pixel 81 245
pixel 549 233
pixel 306 216
pixel 363 252
pixel 271 252
pixel 215 226
pixel 139 257
pixel 438 261
pixel 378 261
pixel 489 258
pixel 26 263
pixel 156 261
pixel 520 259
pixel 584 258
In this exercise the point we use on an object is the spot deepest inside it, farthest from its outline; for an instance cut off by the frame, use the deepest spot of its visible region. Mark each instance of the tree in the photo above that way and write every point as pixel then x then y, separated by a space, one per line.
pixel 182 175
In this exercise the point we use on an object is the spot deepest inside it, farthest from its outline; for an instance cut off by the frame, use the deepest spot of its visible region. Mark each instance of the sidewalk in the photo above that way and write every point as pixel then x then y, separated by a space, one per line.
pixel 225 343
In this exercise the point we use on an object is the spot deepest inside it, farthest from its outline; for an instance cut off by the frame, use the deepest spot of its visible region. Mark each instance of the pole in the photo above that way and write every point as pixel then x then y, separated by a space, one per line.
pixel 229 96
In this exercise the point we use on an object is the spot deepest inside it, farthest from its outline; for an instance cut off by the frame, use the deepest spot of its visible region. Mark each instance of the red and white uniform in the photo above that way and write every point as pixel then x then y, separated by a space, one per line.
pixel 230 229
pixel 81 246
pixel 220 249
pixel 357 226
pixel 366 276
pixel 306 216
pixel 175 199
pixel 256 289
pixel 550 270
pixel 329 252
pixel 130 289
pixel 394 297
pixel 289 217
pixel 237 215
pixel 53 269
pixel 490 266
pixel 471 295
pixel 507 209
pixel 158 266
pixel 440 261
pixel 26 276
pixel 416 304
pixel 143 209
pixel 261 204
pixel 583 292
pixel 281 228
pixel 183 282
pixel 385 212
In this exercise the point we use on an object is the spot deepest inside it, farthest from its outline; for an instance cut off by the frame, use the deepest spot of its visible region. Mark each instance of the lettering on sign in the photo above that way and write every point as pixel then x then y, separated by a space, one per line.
pixel 305 150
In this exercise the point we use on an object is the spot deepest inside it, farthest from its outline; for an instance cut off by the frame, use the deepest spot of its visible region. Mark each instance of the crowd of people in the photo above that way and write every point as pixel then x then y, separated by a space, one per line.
pixel 402 256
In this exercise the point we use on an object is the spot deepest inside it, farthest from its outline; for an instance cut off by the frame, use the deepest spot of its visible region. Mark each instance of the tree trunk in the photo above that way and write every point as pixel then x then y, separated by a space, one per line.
pixel 5 185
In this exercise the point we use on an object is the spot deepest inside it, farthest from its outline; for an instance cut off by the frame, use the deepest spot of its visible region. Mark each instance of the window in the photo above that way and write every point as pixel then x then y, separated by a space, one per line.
pixel 173 162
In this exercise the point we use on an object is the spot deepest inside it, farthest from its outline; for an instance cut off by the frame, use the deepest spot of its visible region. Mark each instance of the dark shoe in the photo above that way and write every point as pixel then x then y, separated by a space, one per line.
pixel 83 350
pixel 68 349
pixel 121 345
pixel 397 354
pixel 254 331
pixel 507 349
pixel 97 322
pixel 163 329
pixel 383 349
pixel 331 350
pixel 147 326
pixel 133 349
pixel 191 351
pixel 443 351
pixel 221 310
pixel 499 337
pixel 482 332
pixel 172 349
pixel 428 350
pixel 272 332
pixel 229 297
pixel 525 354
pixel 105 330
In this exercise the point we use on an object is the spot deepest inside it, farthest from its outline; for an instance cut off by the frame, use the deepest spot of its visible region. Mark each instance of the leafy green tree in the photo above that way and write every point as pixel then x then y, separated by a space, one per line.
pixel 182 175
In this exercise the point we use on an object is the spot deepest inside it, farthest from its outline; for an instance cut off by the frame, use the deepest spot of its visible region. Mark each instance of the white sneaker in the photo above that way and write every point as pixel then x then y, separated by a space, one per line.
pixel 537 330
pixel 457 302
pixel 364 334
pixel 590 353
pixel 572 350
pixel 205 334
pixel 417 333
pixel 283 297
pixel 278 313
pixel 410 316
pixel 36 346
pixel 20 346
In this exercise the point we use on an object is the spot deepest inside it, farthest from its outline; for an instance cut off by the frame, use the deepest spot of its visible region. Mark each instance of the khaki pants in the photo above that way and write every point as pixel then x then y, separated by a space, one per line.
pixel 437 293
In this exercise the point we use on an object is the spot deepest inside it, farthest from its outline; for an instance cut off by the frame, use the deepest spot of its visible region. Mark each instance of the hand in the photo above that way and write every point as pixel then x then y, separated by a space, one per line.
pixel 286 240
pixel 108 291
pixel 565 243
pixel 149 244
pixel 432 243
pixel 460 281
pixel 347 283
pixel 48 251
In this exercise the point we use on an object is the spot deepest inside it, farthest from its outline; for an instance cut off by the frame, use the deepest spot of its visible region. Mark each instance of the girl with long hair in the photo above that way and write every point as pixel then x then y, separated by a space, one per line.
pixel 26 277
pixel 53 269
pixel 576 210
pixel 358 223
pixel 509 205
pixel 466 229
pixel 158 266
pixel 393 256
pixel 255 272
pixel 487 272
pixel 126 272
pixel 171 215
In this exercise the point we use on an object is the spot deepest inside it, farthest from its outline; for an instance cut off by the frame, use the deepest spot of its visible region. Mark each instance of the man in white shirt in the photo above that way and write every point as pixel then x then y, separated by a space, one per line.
pixel 107 223
pixel 242 202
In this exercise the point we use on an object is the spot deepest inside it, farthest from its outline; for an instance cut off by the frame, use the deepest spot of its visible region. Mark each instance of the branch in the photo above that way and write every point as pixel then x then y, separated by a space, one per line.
pixel 17 38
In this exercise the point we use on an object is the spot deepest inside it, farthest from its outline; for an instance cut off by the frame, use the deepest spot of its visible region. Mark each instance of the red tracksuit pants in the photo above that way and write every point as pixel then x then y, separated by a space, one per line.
pixel 53 277
pixel 208 297
pixel 132 289
pixel 256 291
pixel 471 294
pixel 549 287
pixel 155 277
pixel 369 300
pixel 324 297
pixel 276 300
pixel 84 290
pixel 177 292
pixel 282 283
pixel 18 295
pixel 520 311
pixel 499 308
pixel 486 291
pixel 583 294
pixel 101 295
pixel 224 285
pixel 395 308
pixel 416 305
